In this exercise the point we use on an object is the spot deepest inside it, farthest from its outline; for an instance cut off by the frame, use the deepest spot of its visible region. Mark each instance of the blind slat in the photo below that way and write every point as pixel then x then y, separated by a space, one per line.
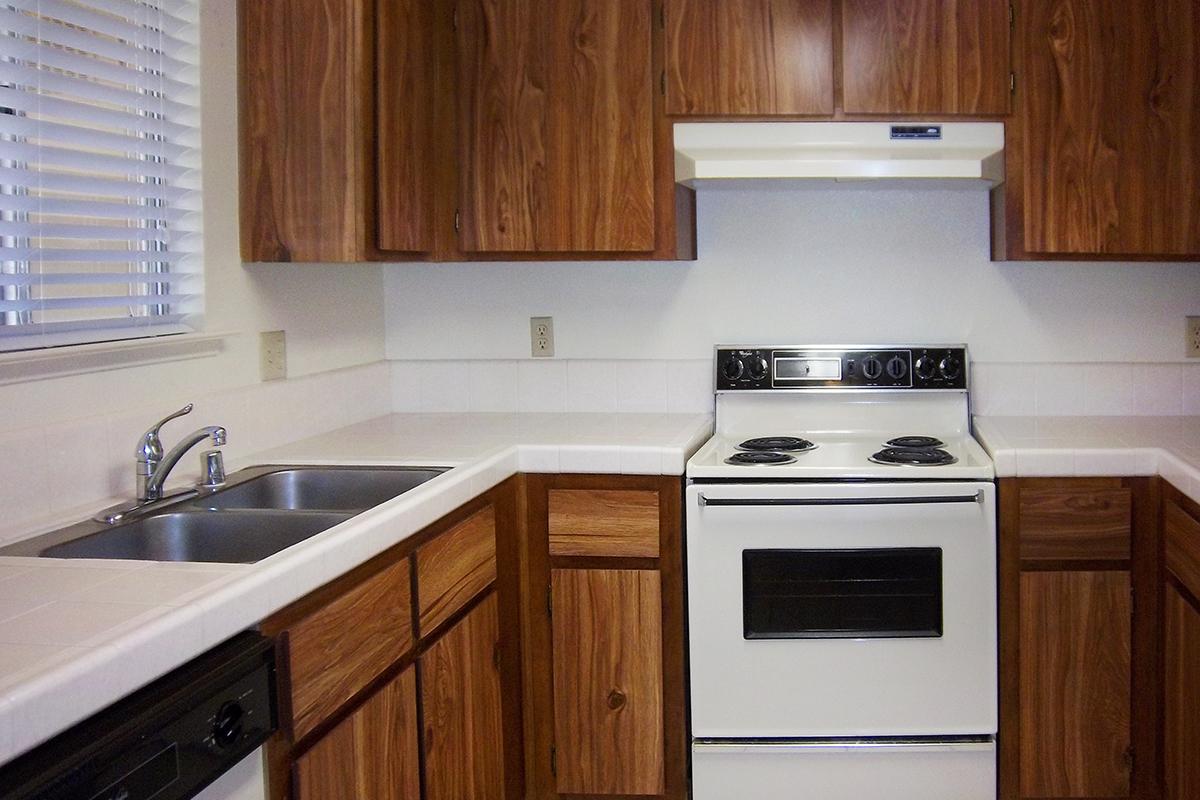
pixel 34 103
pixel 50 33
pixel 46 80
pixel 78 135
pixel 129 26
pixel 180 233
pixel 71 303
pixel 84 184
pixel 93 278
pixel 31 54
pixel 60 256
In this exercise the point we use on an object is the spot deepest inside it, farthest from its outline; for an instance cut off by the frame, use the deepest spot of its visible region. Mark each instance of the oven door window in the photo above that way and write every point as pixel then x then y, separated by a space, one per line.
pixel 893 593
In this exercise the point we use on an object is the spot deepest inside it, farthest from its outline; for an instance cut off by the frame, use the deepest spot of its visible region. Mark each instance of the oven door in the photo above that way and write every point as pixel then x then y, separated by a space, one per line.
pixel 850 609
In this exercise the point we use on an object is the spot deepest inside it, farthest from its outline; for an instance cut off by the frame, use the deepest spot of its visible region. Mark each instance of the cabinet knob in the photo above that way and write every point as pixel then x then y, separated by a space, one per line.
pixel 616 699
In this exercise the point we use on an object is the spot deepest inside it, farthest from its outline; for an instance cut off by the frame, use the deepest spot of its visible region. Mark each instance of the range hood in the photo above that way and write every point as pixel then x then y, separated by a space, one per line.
pixel 968 152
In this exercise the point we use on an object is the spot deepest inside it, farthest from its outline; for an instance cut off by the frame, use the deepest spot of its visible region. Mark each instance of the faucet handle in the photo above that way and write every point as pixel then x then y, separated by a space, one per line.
pixel 150 447
pixel 212 466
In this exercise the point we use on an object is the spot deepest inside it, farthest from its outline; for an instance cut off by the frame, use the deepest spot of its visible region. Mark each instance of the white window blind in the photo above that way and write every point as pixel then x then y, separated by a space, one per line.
pixel 100 226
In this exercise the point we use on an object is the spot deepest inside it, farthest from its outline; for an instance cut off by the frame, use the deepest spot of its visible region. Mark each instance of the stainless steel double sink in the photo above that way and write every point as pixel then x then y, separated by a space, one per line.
pixel 260 511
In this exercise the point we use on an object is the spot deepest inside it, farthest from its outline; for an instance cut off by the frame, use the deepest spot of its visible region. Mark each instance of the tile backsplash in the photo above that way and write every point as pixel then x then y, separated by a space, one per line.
pixel 1064 390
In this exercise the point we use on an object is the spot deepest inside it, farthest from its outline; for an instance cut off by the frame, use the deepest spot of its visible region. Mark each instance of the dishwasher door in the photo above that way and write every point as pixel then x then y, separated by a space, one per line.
pixel 246 781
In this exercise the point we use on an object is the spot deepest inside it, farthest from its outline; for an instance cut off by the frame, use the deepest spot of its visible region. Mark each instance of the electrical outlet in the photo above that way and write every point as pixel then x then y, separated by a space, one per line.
pixel 272 355
pixel 541 336
pixel 1193 337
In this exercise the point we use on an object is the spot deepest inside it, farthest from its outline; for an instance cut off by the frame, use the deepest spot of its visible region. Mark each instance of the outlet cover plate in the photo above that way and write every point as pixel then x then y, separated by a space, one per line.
pixel 272 355
pixel 541 337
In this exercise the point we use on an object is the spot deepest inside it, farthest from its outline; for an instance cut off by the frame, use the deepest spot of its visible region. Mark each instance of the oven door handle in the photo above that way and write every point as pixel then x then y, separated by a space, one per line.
pixel 842 501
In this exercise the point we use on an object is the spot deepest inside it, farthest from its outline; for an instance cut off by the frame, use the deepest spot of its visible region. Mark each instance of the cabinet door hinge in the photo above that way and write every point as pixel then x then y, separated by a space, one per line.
pixel 554 761
pixel 662 83
pixel 1012 15
pixel 550 600
pixel 457 221
pixel 1012 83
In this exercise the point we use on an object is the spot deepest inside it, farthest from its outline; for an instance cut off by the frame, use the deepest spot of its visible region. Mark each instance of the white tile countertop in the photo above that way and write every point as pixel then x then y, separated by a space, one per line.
pixel 77 635
pixel 1095 446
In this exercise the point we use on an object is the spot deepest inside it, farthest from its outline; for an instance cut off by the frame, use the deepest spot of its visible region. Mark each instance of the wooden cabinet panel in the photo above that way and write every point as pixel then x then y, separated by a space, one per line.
pixel 1089 524
pixel 751 57
pixel 305 100
pixel 371 754
pixel 1075 684
pixel 1109 141
pixel 925 56
pixel 604 522
pixel 336 651
pixel 1181 738
pixel 461 705
pixel 555 124
pixel 455 567
pixel 1182 535
pixel 405 66
pixel 608 673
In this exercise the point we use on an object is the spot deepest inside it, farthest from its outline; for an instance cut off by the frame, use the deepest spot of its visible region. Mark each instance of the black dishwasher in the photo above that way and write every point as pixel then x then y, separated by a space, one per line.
pixel 166 741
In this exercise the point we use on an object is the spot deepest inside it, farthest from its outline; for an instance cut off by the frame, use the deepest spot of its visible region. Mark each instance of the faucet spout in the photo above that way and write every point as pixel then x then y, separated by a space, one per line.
pixel 155 481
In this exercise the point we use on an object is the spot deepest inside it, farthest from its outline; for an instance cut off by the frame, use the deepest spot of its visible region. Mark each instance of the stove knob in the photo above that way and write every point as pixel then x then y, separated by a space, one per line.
pixel 897 367
pixel 758 368
pixel 950 367
pixel 925 367
pixel 733 369
pixel 871 368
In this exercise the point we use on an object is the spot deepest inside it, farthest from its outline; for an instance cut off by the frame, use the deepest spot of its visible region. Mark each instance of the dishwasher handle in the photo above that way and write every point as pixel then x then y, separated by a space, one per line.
pixel 768 502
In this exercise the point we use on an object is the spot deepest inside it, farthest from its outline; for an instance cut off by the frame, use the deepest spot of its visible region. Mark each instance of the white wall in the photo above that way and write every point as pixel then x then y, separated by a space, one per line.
pixel 792 265
pixel 333 314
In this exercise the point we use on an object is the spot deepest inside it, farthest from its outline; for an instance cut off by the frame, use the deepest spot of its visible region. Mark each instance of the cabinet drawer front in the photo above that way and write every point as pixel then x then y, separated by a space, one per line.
pixel 1076 524
pixel 1183 546
pixel 608 681
pixel 455 567
pixel 370 754
pixel 336 651
pixel 604 522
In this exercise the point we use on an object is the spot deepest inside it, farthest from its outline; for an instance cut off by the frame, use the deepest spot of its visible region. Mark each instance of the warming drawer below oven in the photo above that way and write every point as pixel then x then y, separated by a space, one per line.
pixel 858 771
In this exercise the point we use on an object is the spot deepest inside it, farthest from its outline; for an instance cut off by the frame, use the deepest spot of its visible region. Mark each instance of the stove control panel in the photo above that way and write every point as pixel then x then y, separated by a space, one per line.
pixel 809 367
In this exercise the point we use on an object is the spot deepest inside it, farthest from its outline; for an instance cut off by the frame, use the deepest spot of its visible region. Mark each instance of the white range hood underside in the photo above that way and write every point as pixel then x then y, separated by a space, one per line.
pixel 840 151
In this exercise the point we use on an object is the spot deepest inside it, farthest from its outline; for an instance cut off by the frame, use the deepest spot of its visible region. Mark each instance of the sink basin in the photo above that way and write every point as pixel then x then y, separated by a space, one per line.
pixel 228 537
pixel 349 489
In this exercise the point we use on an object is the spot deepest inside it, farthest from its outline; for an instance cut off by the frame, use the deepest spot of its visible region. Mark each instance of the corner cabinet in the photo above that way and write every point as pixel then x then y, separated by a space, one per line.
pixel 1181 646
pixel 456 130
pixel 400 674
pixel 1103 155
pixel 1079 564
pixel 605 658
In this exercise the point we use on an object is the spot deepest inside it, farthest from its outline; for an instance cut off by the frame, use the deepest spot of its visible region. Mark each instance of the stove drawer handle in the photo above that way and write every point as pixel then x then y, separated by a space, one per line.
pixel 841 501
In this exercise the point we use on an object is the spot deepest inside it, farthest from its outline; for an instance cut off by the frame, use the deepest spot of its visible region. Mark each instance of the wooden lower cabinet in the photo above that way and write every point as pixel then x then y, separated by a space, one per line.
pixel 604 674
pixel 1079 642
pixel 461 702
pixel 608 681
pixel 370 754
pixel 1181 647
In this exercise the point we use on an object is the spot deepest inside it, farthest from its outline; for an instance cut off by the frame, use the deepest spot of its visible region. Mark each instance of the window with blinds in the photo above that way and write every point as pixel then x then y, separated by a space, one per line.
pixel 100 226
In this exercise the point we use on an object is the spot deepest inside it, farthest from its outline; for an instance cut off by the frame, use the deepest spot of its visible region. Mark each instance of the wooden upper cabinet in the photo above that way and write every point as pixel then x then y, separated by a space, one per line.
pixel 305 100
pixel 555 126
pixel 1105 157
pixel 405 91
pixel 925 56
pixel 749 57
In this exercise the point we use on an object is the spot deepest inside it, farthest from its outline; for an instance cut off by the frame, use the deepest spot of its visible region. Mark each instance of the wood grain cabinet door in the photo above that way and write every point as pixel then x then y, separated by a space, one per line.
pixel 1109 116
pixel 370 754
pixel 555 126
pixel 1181 741
pixel 1076 684
pixel 925 56
pixel 461 708
pixel 608 681
pixel 749 57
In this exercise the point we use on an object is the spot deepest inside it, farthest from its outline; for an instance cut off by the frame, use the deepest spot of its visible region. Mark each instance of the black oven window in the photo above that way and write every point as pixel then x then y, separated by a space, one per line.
pixel 842 594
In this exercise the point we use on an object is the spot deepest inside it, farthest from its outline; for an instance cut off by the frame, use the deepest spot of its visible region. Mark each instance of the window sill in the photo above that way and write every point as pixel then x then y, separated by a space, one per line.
pixel 29 365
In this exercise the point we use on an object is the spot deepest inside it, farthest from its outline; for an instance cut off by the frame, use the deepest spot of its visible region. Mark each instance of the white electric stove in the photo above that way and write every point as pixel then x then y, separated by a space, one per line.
pixel 841 542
